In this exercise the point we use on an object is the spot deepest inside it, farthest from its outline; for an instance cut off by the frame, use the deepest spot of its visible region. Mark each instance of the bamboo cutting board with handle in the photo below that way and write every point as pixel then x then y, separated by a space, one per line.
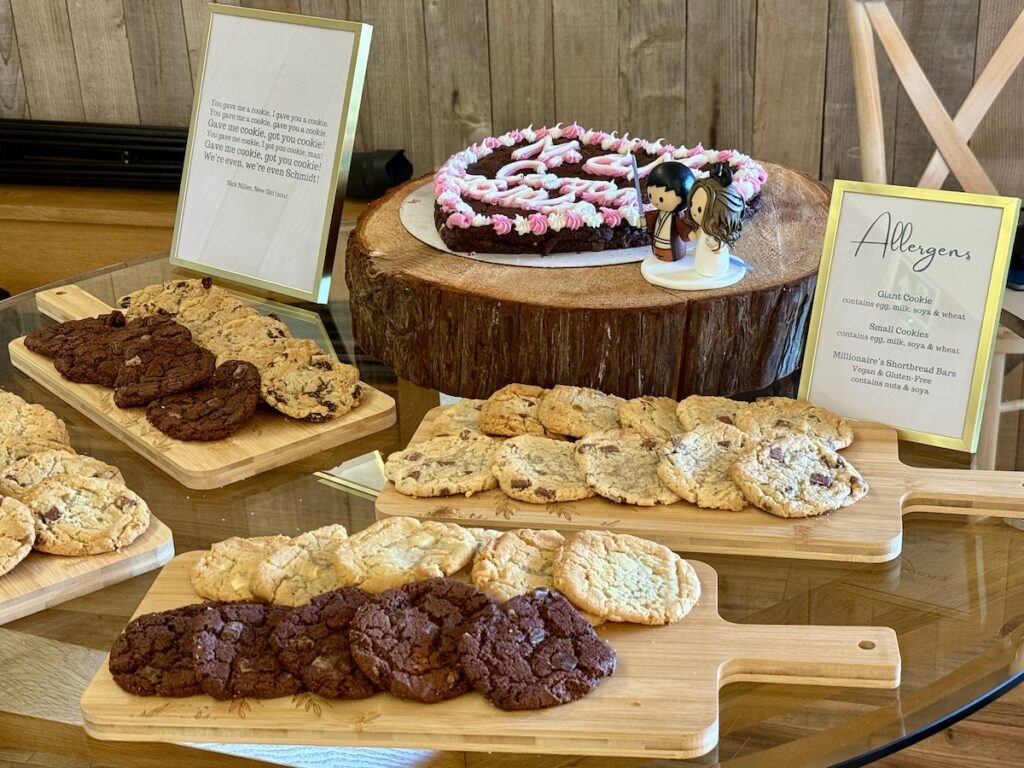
pixel 269 440
pixel 869 531
pixel 41 581
pixel 662 700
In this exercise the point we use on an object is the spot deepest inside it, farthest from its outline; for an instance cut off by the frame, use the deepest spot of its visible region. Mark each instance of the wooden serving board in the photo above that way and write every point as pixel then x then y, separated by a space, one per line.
pixel 270 440
pixel 662 700
pixel 869 531
pixel 41 581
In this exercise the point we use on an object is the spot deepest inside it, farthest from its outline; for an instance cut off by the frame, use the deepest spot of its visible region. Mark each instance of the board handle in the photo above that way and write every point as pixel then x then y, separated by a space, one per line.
pixel 857 657
pixel 69 302
pixel 965 492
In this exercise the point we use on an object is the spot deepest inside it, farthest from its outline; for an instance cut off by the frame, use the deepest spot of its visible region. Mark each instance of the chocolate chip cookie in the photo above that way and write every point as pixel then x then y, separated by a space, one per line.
pixel 19 477
pixel 623 466
pixel 85 515
pixel 534 651
pixel 233 655
pixel 14 448
pixel 697 465
pixel 407 640
pixel 164 298
pixel 160 368
pixel 153 654
pixel 311 386
pixel 98 360
pixel 798 476
pixel 578 411
pixel 56 339
pixel 772 417
pixel 539 470
pixel 212 412
pixel 17 533
pixel 29 421
pixel 312 644
pixel 444 466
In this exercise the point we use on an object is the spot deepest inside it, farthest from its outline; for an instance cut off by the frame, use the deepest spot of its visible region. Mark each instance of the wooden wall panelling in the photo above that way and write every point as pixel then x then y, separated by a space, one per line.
pixel 999 140
pixel 12 82
pixel 156 36
pixel 652 68
pixel 193 14
pixel 284 6
pixel 396 110
pixel 104 61
pixel 48 63
pixel 840 145
pixel 519 36
pixel 586 37
pixel 942 34
pixel 720 73
pixel 349 10
pixel 789 82
pixel 458 70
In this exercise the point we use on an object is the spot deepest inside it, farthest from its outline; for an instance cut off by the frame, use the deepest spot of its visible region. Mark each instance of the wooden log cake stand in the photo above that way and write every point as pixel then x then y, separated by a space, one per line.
pixel 466 327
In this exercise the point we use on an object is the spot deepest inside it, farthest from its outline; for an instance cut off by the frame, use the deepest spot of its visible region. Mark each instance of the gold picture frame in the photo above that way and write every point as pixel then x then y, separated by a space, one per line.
pixel 318 286
pixel 1009 209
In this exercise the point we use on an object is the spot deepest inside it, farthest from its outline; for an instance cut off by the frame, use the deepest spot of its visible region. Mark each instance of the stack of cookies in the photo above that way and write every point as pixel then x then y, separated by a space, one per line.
pixel 570 443
pixel 54 500
pixel 296 377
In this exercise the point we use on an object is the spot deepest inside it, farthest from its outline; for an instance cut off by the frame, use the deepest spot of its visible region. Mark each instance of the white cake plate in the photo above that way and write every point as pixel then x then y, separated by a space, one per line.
pixel 681 276
pixel 417 216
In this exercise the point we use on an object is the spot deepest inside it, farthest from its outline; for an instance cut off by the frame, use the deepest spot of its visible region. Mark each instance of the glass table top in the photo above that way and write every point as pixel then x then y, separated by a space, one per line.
pixel 955 599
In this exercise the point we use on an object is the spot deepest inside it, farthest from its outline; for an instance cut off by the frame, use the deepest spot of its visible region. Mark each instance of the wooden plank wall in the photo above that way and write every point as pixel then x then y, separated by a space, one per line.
pixel 771 77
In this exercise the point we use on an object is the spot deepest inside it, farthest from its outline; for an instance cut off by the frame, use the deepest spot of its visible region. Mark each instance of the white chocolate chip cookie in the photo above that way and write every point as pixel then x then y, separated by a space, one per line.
pixel 624 578
pixel 797 476
pixel 31 421
pixel 303 569
pixel 772 417
pixel 225 572
pixel 578 411
pixel 397 550
pixel 651 416
pixel 698 465
pixel 623 466
pixel 85 515
pixel 444 466
pixel 539 470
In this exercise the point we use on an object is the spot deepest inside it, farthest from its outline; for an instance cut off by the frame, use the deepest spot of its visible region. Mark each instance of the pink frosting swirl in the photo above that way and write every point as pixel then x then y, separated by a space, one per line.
pixel 540 133
pixel 491 142
pixel 515 135
pixel 724 155
pixel 538 223
pixel 460 220
pixel 502 224
pixel 697 150
pixel 611 217
pixel 599 136
pixel 573 220
pixel 572 131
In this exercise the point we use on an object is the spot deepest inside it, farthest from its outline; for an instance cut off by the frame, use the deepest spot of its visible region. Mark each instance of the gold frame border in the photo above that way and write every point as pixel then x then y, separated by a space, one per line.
pixel 320 288
pixel 1010 207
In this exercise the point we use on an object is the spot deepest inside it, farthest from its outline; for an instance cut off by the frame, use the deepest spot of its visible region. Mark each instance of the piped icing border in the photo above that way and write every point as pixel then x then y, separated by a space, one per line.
pixel 552 202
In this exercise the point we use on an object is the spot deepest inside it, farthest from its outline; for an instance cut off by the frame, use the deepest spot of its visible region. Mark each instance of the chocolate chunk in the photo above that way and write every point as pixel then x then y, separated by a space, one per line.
pixel 776 453
pixel 818 479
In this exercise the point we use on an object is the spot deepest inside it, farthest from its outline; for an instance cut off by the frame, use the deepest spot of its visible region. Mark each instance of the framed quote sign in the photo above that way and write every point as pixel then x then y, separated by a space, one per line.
pixel 266 165
pixel 906 308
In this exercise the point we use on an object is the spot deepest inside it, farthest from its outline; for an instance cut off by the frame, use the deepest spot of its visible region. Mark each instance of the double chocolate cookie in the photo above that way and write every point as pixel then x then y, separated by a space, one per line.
pixel 153 655
pixel 58 339
pixel 312 644
pixel 407 640
pixel 159 368
pixel 233 656
pixel 534 651
pixel 214 411
pixel 99 359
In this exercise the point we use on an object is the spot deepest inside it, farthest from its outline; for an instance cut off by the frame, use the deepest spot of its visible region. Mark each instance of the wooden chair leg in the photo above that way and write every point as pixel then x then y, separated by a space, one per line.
pixel 869 97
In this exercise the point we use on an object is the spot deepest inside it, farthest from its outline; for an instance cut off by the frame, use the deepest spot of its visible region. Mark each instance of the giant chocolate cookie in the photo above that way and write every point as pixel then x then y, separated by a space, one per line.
pixel 153 655
pixel 407 640
pixel 534 651
pixel 233 656
pixel 57 339
pixel 312 643
pixel 160 368
pixel 98 360
pixel 214 411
